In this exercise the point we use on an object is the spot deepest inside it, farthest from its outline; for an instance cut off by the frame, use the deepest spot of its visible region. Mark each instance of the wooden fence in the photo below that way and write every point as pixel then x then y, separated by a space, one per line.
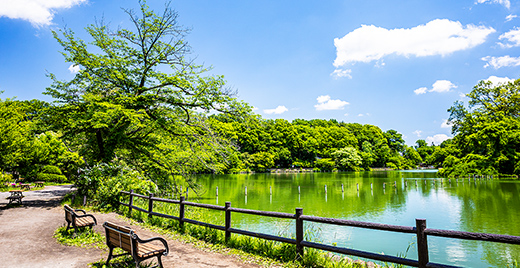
pixel 420 230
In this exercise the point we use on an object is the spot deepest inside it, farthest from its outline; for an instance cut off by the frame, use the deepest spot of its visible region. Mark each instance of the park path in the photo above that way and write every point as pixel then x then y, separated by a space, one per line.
pixel 26 237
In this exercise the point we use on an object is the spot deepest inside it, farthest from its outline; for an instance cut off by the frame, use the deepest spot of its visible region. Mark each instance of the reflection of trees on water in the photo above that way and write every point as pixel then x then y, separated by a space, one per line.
pixel 485 206
pixel 490 207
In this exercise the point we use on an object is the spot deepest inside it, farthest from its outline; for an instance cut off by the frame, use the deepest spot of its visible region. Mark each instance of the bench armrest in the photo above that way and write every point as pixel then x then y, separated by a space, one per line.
pixel 134 235
pixel 81 210
pixel 88 215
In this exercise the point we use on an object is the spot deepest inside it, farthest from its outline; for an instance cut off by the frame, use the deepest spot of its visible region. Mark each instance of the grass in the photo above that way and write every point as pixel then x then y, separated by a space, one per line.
pixel 85 238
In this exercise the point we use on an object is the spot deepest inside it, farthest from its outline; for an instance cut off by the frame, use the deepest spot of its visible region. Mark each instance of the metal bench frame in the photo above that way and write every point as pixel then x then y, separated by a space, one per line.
pixel 71 216
pixel 129 234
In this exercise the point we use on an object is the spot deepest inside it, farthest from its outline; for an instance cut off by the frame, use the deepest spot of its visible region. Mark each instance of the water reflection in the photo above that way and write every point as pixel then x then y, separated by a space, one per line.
pixel 475 205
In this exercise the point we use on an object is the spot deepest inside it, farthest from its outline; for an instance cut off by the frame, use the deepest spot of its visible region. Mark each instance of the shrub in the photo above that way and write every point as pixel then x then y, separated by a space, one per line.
pixel 103 183
pixel 51 174
pixel 4 179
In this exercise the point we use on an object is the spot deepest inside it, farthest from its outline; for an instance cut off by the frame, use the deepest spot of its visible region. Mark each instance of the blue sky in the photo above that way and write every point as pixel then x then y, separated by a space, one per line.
pixel 394 64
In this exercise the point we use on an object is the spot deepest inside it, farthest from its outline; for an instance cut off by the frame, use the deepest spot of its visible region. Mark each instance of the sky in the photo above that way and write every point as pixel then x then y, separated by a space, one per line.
pixel 394 64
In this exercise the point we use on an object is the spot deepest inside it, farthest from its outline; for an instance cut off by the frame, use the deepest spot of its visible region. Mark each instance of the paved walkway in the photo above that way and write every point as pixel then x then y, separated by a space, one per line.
pixel 26 237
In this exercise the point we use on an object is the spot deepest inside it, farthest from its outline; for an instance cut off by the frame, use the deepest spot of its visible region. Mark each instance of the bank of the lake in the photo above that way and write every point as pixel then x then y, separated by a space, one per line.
pixel 390 197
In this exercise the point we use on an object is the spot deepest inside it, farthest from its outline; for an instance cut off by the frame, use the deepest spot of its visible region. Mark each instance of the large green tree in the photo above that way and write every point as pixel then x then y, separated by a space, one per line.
pixel 139 98
pixel 487 131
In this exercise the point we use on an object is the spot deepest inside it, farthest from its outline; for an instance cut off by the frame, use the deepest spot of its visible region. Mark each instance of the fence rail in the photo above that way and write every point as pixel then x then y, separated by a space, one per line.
pixel 420 230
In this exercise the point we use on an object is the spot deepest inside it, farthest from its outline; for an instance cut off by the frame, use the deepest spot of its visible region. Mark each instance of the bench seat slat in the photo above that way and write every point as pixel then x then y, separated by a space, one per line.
pixel 147 250
pixel 81 222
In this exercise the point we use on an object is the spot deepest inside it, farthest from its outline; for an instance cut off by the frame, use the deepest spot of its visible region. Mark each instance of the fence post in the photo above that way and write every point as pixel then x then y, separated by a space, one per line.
pixel 422 243
pixel 299 234
pixel 228 221
pixel 181 213
pixel 130 203
pixel 150 205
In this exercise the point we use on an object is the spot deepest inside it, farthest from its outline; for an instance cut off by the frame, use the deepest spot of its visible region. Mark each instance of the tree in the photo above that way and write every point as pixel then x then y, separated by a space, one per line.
pixel 487 132
pixel 123 104
pixel 395 141
pixel 347 159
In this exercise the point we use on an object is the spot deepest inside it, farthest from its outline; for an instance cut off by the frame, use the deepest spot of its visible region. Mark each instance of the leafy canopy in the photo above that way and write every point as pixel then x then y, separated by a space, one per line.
pixel 138 97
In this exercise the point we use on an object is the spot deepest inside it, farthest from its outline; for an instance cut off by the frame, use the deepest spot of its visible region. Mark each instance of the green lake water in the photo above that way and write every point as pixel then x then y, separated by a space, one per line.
pixel 484 206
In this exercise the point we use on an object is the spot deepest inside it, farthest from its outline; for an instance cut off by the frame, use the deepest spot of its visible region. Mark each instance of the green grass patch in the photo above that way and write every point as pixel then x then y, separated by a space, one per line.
pixel 85 238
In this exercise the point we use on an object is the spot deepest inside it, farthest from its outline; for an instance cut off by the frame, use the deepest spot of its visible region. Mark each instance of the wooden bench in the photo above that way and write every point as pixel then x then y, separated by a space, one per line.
pixel 78 220
pixel 38 183
pixel 118 236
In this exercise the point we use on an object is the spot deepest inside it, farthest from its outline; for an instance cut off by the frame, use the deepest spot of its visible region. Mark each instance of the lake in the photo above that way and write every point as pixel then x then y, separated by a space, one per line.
pixel 484 206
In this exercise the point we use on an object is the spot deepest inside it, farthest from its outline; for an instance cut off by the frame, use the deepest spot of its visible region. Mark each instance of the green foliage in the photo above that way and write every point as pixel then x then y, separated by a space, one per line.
pixel 487 139
pixel 4 179
pixel 324 164
pixel 86 238
pixel 347 159
pixel 51 173
pixel 102 183
pixel 265 144
pixel 138 98
pixel 26 145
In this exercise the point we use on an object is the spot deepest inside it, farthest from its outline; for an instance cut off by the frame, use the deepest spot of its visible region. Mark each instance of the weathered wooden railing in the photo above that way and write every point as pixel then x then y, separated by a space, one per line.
pixel 420 230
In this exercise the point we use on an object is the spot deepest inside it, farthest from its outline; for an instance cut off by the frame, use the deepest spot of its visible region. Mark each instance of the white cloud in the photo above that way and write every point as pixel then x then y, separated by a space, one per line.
pixel 437 37
pixel 442 86
pixel 278 110
pixel 505 3
pixel 437 139
pixel 74 68
pixel 499 62
pixel 512 38
pixel 325 103
pixel 418 133
pixel 499 80
pixel 338 73
pixel 439 86
pixel 510 17
pixel 37 12
pixel 445 124
pixel 421 90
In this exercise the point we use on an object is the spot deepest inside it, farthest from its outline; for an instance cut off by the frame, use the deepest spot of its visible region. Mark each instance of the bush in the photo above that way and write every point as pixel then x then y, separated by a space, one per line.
pixel 4 179
pixel 51 174
pixel 51 177
pixel 103 184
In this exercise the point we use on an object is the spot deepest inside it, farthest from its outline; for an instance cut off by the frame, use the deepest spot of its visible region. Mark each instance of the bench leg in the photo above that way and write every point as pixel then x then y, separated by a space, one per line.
pixel 159 261
pixel 109 255
pixel 68 226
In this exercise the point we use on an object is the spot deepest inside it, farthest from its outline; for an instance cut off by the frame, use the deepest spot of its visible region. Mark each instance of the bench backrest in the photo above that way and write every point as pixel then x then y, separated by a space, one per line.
pixel 119 236
pixel 68 213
